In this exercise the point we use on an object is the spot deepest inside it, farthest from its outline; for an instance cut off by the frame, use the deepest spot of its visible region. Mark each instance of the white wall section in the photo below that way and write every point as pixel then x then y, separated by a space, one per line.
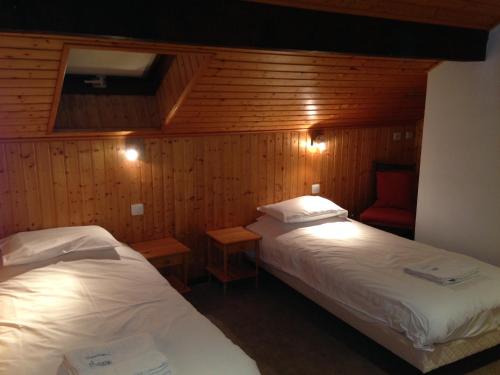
pixel 459 190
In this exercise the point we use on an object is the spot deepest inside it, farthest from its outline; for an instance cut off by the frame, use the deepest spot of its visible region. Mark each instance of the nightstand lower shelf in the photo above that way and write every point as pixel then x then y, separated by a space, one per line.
pixel 235 272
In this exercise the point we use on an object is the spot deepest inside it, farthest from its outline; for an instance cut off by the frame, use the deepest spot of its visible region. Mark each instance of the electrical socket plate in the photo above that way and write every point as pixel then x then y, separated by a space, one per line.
pixel 315 188
pixel 396 136
pixel 137 209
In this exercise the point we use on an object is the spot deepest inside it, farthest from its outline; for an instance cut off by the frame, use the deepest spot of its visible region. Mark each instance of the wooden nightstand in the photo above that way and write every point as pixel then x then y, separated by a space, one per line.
pixel 232 241
pixel 167 252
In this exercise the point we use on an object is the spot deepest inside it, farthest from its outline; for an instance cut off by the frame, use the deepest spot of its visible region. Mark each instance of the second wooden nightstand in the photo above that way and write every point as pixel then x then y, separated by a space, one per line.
pixel 167 252
pixel 231 241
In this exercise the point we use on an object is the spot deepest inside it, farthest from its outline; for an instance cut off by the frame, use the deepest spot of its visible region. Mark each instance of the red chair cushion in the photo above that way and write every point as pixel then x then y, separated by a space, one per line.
pixel 396 189
pixel 391 217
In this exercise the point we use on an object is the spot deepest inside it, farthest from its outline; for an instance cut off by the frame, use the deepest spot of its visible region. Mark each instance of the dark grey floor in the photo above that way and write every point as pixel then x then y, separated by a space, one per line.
pixel 288 334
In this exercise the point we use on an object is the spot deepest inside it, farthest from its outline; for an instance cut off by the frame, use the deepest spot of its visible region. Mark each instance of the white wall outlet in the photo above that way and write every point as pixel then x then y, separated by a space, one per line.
pixel 396 136
pixel 315 188
pixel 408 134
pixel 137 209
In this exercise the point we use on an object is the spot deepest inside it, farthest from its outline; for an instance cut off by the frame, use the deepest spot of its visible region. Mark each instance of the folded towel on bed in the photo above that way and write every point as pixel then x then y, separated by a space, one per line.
pixel 444 271
pixel 134 355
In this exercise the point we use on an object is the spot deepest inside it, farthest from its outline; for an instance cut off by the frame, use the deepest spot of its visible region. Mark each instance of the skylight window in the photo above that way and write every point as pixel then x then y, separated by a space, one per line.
pixel 109 63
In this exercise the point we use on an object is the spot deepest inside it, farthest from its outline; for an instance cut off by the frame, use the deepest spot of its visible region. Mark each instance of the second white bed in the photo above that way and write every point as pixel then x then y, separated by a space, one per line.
pixel 361 269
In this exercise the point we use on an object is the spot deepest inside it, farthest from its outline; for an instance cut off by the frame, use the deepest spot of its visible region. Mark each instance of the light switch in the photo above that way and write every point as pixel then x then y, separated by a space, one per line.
pixel 137 209
pixel 396 136
pixel 315 188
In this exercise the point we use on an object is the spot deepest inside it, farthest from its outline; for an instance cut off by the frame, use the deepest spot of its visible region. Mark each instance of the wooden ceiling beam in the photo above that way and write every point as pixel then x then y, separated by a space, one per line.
pixel 243 24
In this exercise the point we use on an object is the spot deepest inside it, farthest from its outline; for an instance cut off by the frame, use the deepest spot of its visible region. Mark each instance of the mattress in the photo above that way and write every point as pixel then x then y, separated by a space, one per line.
pixel 48 309
pixel 362 269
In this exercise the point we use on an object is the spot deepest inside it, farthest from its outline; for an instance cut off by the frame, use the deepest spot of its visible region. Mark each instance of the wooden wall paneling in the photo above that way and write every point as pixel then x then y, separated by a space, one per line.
pixel 147 190
pixel 270 168
pixel 86 182
pixel 6 213
pixel 235 216
pixel 17 188
pixel 302 165
pixel 123 192
pixel 157 182
pixel 287 175
pixel 262 170
pixel 73 174
pixel 218 179
pixel 179 193
pixel 168 186
pixel 188 160
pixel 59 183
pixel 279 167
pixel 45 183
pixel 30 173
pixel 227 193
pixel 188 184
pixel 294 157
pixel 208 152
pixel 99 182
pixel 199 203
pixel 110 196
pixel 254 174
pixel 246 191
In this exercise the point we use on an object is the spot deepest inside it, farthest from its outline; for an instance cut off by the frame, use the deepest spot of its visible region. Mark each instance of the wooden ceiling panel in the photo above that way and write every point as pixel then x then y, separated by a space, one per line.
pixel 28 72
pixel 268 91
pixel 220 90
pixel 478 14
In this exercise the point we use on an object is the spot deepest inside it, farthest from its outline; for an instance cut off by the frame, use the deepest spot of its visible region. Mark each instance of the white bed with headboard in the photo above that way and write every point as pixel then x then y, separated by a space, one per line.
pixel 84 293
pixel 358 273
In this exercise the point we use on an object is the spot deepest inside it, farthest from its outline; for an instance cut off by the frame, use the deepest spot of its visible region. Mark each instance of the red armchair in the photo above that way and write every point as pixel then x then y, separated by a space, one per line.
pixel 395 207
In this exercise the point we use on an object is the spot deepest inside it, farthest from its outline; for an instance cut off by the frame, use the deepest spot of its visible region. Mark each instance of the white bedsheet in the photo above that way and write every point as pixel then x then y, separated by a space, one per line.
pixel 363 268
pixel 49 310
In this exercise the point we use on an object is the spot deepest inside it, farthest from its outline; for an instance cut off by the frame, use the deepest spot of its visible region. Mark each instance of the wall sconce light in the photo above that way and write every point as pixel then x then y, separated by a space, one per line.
pixel 131 154
pixel 318 141
pixel 134 148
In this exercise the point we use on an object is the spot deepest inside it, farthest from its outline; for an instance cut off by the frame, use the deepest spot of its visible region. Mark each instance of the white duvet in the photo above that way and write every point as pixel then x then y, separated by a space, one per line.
pixel 362 268
pixel 48 310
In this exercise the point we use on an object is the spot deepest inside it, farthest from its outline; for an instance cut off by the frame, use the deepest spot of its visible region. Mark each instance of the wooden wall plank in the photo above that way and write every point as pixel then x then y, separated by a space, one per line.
pixel 6 215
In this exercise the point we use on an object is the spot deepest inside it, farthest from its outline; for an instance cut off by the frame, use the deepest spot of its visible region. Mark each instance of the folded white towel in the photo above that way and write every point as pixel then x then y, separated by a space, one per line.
pixel 134 355
pixel 444 271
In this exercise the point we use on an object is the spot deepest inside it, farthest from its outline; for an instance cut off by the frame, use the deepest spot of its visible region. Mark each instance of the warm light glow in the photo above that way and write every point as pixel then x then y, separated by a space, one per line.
pixel 339 230
pixel 320 146
pixel 311 110
pixel 131 154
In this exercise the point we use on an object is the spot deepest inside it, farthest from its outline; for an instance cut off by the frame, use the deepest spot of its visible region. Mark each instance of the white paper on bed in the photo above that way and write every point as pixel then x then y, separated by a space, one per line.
pixel 363 268
pixel 130 355
pixel 444 271
pixel 46 311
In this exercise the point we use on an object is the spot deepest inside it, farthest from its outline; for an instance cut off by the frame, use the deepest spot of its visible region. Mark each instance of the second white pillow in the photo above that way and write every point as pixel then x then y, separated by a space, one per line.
pixel 303 209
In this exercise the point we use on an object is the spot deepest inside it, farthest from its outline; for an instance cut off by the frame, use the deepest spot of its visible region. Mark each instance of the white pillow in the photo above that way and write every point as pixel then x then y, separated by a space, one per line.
pixel 303 209
pixel 35 246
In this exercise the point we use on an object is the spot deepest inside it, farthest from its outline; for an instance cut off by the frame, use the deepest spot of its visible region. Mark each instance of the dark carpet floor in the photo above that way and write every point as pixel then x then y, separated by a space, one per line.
pixel 287 334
